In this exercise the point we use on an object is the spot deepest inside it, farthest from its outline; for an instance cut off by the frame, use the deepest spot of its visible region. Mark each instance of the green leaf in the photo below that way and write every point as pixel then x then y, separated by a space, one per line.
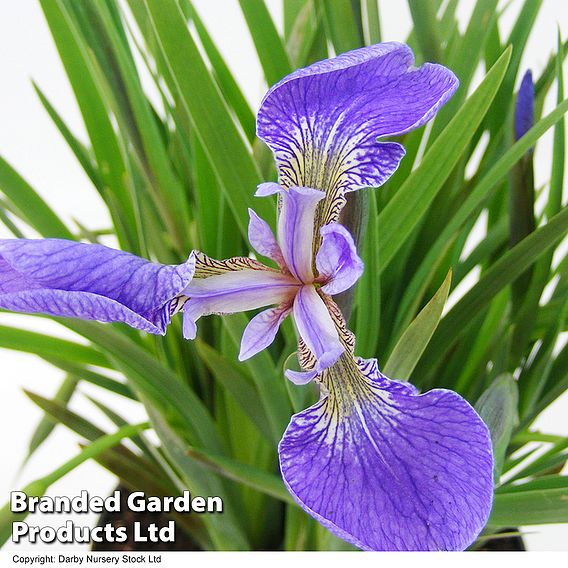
pixel 372 21
pixel 91 100
pixel 517 40
pixel 47 424
pixel 224 145
pixel 250 476
pixel 95 378
pixel 232 379
pixel 30 206
pixel 229 87
pixel 119 422
pixel 268 43
pixel 158 383
pixel 497 406
pixel 269 383
pixel 463 57
pixel 499 275
pixel 47 346
pixel 411 345
pixel 407 207
pixel 536 507
pixel 78 149
pixel 225 531
pixel 554 203
pixel 343 19
pixel 426 29
pixel 134 111
pixel 473 202
pixel 545 482
pixel 368 314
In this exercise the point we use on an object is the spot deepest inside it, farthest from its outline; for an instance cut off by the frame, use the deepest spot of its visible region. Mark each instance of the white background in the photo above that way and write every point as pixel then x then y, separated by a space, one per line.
pixel 30 142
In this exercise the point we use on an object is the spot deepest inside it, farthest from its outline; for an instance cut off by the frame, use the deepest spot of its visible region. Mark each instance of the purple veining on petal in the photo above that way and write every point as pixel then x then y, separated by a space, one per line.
pixel 316 327
pixel 87 281
pixel 235 292
pixel 387 469
pixel 262 239
pixel 261 330
pixel 337 259
pixel 524 109
pixel 296 228
pixel 322 122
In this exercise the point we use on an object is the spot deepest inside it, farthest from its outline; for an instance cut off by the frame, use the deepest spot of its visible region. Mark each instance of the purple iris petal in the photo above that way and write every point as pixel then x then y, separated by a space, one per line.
pixel 262 239
pixel 261 330
pixel 87 281
pixel 524 110
pixel 296 229
pixel 235 292
pixel 267 188
pixel 387 469
pixel 317 329
pixel 322 122
pixel 337 259
pixel 300 377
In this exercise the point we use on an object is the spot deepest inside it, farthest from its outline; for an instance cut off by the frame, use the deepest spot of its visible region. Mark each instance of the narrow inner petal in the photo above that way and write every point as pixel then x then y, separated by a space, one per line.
pixel 261 330
pixel 262 239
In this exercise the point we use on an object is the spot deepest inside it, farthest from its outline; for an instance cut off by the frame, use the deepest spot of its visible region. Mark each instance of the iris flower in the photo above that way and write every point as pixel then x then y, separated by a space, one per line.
pixel 242 284
pixel 374 461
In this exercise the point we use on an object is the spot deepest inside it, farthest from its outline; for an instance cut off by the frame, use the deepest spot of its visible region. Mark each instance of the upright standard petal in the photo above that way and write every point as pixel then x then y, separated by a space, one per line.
pixel 235 292
pixel 339 266
pixel 317 329
pixel 87 281
pixel 296 229
pixel 387 469
pixel 322 122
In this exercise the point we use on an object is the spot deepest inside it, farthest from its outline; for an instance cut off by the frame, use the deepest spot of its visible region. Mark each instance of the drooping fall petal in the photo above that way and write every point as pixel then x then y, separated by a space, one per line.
pixel 387 469
pixel 88 281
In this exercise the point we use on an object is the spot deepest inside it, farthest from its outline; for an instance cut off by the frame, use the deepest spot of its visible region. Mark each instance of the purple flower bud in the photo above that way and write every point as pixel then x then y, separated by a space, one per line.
pixel 524 110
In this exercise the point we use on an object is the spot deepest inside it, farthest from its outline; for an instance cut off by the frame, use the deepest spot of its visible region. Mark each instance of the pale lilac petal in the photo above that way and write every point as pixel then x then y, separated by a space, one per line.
pixel 235 292
pixel 337 259
pixel 386 469
pixel 300 377
pixel 267 188
pixel 316 328
pixel 87 281
pixel 322 122
pixel 296 229
pixel 261 330
pixel 262 239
